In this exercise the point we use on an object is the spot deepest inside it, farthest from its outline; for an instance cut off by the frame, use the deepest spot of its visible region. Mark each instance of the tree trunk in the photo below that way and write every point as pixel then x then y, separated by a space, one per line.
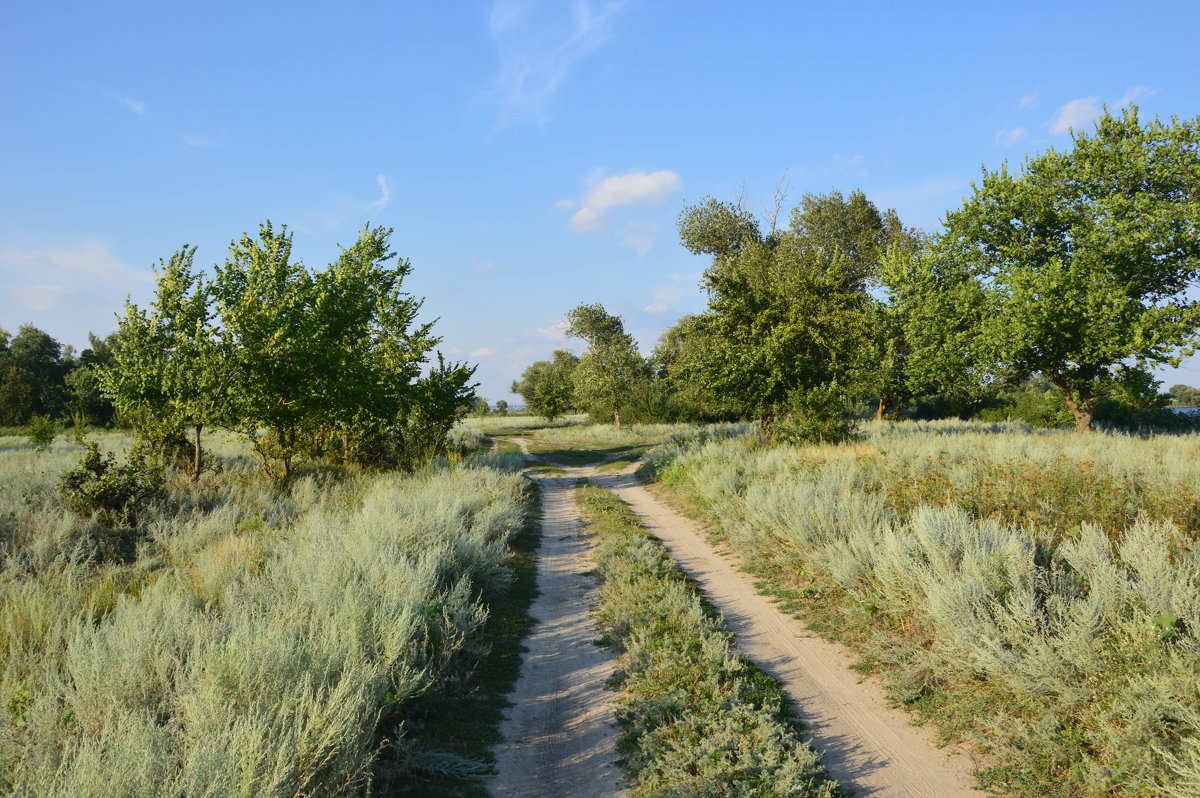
pixel 198 458
pixel 880 408
pixel 616 417
pixel 1081 404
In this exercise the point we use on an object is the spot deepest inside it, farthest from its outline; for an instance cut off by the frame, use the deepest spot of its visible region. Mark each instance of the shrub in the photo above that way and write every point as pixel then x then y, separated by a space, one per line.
pixel 41 432
pixel 113 493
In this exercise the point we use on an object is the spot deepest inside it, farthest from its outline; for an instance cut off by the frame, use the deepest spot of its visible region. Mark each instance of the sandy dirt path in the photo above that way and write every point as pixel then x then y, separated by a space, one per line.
pixel 560 734
pixel 868 746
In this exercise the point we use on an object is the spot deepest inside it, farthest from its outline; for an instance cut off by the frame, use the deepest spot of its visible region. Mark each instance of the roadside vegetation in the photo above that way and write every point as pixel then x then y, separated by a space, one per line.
pixel 236 641
pixel 1036 593
pixel 696 718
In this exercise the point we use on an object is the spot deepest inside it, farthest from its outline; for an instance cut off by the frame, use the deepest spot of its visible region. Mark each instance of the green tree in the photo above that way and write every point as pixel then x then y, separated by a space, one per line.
pixel 1185 396
pixel 32 371
pixel 611 370
pixel 547 385
pixel 783 336
pixel 501 407
pixel 169 373
pixel 1085 257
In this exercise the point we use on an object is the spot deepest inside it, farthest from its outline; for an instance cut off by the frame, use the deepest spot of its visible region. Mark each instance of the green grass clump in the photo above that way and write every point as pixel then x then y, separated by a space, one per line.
pixel 696 718
pixel 1036 593
pixel 253 644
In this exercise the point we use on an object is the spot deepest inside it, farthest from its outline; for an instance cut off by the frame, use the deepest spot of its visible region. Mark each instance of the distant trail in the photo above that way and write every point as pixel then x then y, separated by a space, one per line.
pixel 560 734
pixel 868 746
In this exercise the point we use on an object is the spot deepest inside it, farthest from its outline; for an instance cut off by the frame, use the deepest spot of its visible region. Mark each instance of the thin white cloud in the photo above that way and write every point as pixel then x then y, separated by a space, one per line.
pixel 485 266
pixel 555 332
pixel 1007 138
pixel 385 189
pixel 638 236
pixel 483 351
pixel 42 297
pixel 667 295
pixel 1079 113
pixel 92 262
pixel 632 188
pixel 540 43
pixel 1075 114
pixel 1028 102
pixel 565 204
pixel 455 350
pixel 120 98
pixel 1135 94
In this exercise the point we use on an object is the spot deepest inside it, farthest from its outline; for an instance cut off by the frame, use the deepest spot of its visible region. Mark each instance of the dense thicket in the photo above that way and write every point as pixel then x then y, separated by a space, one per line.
pixel 321 363
pixel 41 377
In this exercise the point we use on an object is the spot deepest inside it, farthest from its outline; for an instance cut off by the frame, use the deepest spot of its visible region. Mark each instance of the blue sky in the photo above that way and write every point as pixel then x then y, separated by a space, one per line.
pixel 530 155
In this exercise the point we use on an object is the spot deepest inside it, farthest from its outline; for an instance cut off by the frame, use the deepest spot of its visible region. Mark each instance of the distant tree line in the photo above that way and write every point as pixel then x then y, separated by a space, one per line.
pixel 1050 295
pixel 326 364
pixel 41 377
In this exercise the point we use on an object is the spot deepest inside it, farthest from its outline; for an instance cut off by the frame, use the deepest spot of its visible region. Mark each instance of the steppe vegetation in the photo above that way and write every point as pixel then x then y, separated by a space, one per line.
pixel 1034 592
pixel 696 718
pixel 239 641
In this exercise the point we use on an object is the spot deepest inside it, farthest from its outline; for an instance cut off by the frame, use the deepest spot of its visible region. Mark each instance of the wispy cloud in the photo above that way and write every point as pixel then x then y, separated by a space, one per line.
pixel 120 98
pixel 666 296
pixel 1007 138
pixel 485 266
pixel 1076 113
pixel 42 297
pixel 1135 94
pixel 385 189
pixel 483 351
pixel 1028 102
pixel 638 236
pixel 91 262
pixel 540 43
pixel 555 332
pixel 632 188
pixel 1080 112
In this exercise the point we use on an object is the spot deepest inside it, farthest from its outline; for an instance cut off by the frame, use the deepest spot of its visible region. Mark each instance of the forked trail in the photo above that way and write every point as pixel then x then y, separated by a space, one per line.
pixel 869 747
pixel 560 732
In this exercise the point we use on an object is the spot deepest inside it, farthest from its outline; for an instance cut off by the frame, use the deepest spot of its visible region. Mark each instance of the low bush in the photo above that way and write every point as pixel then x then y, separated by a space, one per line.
pixel 41 432
pixel 113 493
pixel 697 719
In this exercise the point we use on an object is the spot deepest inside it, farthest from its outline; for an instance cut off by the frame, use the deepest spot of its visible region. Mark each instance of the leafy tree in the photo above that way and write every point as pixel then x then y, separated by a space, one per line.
pixel 788 314
pixel 169 374
pixel 1185 396
pixel 547 385
pixel 501 407
pixel 1085 257
pixel 612 369
pixel 31 375
pixel 479 406
pixel 84 385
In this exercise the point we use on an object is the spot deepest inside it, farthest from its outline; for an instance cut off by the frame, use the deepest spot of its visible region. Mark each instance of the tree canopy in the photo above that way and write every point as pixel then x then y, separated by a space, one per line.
pixel 1084 257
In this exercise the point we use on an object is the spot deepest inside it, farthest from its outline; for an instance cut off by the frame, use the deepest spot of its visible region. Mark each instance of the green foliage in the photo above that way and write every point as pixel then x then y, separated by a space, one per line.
pixel 1082 261
pixel 697 719
pixel 1185 396
pixel 1034 593
pixel 611 371
pixel 259 645
pixel 788 313
pixel 501 407
pixel 324 363
pixel 114 493
pixel 547 386
pixel 41 431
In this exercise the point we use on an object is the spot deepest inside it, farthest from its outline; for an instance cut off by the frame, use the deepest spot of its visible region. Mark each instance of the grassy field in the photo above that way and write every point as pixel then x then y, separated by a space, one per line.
pixel 237 641
pixel 1037 593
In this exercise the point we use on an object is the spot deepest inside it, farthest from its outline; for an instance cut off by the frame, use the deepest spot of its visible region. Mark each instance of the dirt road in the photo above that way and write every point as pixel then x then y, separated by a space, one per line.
pixel 560 734
pixel 869 747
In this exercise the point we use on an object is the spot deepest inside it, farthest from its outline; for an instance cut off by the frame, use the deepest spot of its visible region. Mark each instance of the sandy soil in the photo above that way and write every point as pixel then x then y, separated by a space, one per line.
pixel 868 746
pixel 560 734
